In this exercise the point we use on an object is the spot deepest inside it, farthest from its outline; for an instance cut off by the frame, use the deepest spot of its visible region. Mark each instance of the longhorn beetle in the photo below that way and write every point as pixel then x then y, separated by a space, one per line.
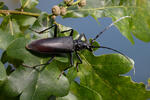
pixel 60 45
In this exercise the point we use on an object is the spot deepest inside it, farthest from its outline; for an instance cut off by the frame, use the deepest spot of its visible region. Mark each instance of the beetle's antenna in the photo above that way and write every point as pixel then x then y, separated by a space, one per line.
pixel 110 49
pixel 109 26
pixel 117 52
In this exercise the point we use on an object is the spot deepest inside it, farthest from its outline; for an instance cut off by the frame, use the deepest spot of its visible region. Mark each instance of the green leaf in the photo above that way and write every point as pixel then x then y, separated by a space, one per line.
pixel 41 23
pixel 33 10
pixel 10 25
pixel 3 75
pixel 44 22
pixel 70 96
pixel 34 85
pixel 72 74
pixel 24 20
pixel 78 92
pixel 28 3
pixel 17 52
pixel 74 12
pixel 101 77
pixel 64 28
pixel 103 74
pixel 140 21
pixel 137 9
pixel 5 39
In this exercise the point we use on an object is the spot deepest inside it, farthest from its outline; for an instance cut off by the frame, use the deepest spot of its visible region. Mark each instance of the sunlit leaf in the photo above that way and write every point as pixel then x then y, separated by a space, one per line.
pixel 10 25
pixel 33 85
pixel 99 77
pixel 137 9
pixel 78 92
pixel 17 51
pixel 5 39
pixel 28 3
pixel 24 20
pixel 70 96
pixel 103 74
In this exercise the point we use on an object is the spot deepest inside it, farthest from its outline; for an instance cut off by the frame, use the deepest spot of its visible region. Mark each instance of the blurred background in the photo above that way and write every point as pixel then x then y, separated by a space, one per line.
pixel 139 52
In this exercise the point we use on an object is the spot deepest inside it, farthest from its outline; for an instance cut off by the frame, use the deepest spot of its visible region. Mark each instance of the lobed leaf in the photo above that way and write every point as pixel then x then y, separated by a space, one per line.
pixel 103 74
pixel 34 85
pixel 5 39
pixel 137 9
pixel 78 92
pixel 101 77
pixel 17 52
pixel 10 25
pixel 28 3
pixel 24 20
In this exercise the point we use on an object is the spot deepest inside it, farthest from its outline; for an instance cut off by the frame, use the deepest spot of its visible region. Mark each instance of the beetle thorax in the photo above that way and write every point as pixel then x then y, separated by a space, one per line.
pixel 79 45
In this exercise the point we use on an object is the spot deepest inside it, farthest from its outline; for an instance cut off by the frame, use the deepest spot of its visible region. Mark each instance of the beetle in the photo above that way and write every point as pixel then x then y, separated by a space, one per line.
pixel 60 45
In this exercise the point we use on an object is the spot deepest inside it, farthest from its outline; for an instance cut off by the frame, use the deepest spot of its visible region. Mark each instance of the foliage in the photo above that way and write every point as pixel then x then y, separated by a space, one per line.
pixel 101 77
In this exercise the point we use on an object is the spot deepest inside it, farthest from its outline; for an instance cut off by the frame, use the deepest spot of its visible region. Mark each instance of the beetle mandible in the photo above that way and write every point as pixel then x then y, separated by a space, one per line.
pixel 59 45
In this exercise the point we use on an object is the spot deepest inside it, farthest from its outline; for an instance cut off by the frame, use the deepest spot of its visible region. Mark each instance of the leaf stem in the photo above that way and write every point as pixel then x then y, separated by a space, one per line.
pixel 19 12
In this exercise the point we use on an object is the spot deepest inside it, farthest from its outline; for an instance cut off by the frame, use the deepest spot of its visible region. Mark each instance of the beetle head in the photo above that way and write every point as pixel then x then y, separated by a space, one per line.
pixel 82 43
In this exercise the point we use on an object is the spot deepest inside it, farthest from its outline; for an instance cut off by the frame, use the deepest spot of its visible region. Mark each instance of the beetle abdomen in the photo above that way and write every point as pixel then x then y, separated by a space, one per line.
pixel 52 45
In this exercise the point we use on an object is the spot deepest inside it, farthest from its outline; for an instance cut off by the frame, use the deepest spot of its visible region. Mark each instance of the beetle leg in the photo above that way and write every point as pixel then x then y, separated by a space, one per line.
pixel 63 71
pixel 34 67
pixel 60 74
pixel 71 32
pixel 40 32
pixel 48 62
pixel 55 30
pixel 71 61
pixel 79 60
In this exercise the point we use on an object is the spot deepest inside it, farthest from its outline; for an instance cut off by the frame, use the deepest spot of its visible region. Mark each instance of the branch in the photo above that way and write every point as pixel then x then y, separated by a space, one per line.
pixel 19 13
